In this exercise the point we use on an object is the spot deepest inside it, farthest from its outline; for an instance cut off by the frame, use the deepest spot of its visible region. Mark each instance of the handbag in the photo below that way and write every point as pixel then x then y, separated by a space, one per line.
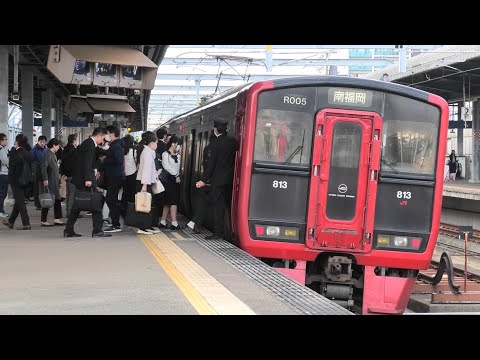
pixel 157 187
pixel 143 202
pixel 46 199
pixel 137 219
pixel 89 200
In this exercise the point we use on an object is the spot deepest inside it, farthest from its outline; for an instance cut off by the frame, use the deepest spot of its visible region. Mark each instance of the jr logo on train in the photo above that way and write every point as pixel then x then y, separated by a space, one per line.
pixel 337 185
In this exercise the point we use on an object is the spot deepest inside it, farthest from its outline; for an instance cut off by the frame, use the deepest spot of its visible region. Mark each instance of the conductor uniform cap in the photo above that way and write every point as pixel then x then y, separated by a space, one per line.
pixel 220 123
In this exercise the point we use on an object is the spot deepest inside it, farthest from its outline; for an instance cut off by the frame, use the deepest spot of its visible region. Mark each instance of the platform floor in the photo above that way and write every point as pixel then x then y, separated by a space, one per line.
pixel 461 189
pixel 167 273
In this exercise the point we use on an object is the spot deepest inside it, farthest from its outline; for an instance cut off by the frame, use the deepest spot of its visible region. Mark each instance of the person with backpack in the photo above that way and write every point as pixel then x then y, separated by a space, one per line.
pixel 66 168
pixel 19 176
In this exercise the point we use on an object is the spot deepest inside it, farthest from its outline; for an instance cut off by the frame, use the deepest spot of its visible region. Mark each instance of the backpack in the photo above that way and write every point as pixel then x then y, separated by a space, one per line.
pixel 68 162
pixel 26 176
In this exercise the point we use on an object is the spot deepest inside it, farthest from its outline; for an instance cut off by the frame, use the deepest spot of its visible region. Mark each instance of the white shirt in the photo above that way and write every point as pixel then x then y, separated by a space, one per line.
pixel 169 163
pixel 130 163
pixel 147 173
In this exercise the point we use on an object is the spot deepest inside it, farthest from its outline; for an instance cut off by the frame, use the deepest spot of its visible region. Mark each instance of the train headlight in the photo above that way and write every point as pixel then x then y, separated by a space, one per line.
pixel 273 230
pixel 400 241
pixel 395 242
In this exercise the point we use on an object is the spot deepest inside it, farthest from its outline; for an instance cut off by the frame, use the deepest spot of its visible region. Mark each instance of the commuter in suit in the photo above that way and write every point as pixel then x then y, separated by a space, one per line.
pixel 220 174
pixel 85 176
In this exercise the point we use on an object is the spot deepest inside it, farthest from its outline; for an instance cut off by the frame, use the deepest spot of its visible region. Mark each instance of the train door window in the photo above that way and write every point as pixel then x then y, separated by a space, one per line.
pixel 344 163
pixel 283 137
pixel 198 152
pixel 204 144
pixel 182 154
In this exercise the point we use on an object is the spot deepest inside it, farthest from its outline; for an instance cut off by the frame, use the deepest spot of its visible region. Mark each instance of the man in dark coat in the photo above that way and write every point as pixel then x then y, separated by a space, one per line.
pixel 38 153
pixel 219 172
pixel 114 174
pixel 84 176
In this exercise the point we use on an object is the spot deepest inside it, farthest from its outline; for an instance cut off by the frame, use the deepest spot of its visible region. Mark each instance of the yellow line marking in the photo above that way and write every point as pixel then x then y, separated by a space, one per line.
pixel 199 287
pixel 197 301
pixel 177 236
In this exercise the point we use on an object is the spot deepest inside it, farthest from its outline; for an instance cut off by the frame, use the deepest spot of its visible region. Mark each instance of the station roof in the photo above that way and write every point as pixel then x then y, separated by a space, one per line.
pixel 452 72
pixel 36 56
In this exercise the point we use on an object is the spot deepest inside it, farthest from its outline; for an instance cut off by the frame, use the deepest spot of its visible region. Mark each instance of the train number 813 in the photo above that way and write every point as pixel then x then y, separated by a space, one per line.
pixel 279 184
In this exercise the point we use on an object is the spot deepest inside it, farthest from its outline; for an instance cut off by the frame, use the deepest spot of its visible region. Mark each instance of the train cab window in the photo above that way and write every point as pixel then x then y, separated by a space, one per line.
pixel 283 137
pixel 410 137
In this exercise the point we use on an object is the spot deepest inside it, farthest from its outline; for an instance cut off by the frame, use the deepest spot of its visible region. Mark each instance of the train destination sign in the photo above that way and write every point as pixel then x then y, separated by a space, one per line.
pixel 345 96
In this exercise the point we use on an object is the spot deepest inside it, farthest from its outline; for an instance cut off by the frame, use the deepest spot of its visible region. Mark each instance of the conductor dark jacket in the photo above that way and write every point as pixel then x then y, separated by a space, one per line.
pixel 220 166
pixel 84 171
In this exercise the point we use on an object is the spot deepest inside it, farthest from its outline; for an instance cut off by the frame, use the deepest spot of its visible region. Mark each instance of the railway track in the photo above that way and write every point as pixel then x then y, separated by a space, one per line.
pixel 452 231
pixel 449 285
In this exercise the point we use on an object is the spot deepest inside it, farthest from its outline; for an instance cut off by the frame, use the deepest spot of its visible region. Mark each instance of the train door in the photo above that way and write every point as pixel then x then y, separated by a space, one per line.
pixel 344 170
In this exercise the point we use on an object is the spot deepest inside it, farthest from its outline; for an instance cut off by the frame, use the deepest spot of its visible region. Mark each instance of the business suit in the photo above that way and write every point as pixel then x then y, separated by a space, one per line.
pixel 85 171
pixel 219 173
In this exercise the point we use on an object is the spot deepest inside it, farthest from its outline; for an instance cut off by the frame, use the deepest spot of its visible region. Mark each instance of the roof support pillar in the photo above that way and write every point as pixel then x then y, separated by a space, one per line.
pixel 27 103
pixel 4 90
pixel 475 143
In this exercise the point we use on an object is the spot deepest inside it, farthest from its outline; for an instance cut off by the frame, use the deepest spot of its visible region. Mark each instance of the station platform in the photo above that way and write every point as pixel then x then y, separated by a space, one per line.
pixel 461 189
pixel 170 273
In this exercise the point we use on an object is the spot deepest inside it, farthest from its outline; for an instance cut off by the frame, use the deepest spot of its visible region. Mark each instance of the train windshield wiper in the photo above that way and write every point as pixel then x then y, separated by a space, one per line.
pixel 295 152
pixel 292 155
pixel 390 166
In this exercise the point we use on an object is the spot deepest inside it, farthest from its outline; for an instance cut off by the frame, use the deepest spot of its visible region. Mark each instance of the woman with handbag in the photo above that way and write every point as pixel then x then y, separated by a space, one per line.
pixel 51 179
pixel 170 177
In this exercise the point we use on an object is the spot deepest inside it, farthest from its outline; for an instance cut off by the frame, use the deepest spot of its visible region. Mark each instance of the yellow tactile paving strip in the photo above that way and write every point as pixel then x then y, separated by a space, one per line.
pixel 202 290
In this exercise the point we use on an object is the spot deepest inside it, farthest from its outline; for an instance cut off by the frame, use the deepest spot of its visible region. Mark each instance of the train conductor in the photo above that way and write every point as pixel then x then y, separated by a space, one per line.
pixel 219 173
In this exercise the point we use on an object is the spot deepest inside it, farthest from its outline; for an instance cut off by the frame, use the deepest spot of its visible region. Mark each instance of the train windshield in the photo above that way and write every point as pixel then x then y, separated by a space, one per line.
pixel 410 137
pixel 283 137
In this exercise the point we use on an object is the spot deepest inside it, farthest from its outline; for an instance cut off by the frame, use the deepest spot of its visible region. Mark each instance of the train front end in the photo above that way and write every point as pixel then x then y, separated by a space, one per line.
pixel 341 186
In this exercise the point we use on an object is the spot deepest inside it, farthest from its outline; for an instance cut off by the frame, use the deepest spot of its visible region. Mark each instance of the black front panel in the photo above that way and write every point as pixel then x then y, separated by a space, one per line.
pixel 343 175
pixel 278 197
pixel 404 207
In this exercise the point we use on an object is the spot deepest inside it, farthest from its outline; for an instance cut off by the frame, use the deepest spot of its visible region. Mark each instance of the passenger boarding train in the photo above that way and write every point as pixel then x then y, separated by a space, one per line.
pixel 338 181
